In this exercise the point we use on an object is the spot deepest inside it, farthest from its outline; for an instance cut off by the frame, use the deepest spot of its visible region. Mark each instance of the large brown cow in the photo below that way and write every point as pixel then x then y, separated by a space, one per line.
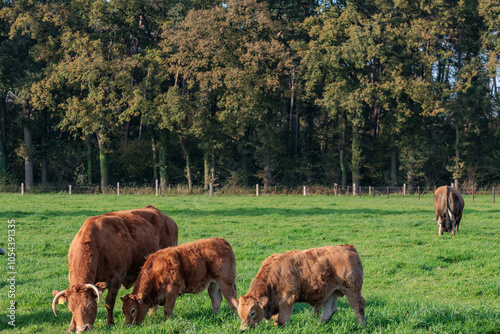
pixel 448 205
pixel 189 268
pixel 317 276
pixel 107 251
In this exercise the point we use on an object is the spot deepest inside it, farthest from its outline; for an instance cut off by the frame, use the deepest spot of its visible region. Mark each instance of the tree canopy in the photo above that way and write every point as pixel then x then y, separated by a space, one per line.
pixel 240 92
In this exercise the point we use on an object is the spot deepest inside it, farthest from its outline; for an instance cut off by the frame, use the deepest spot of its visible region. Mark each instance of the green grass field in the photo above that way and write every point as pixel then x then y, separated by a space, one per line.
pixel 414 281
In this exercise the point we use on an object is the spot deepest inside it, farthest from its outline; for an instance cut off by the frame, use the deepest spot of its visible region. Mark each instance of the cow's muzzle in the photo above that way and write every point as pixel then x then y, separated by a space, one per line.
pixel 87 327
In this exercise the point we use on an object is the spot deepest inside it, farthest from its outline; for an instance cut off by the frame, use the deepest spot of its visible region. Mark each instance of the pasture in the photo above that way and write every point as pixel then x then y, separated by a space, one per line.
pixel 414 280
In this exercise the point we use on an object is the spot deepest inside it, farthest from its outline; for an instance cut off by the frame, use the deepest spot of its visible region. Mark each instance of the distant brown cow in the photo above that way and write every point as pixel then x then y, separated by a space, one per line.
pixel 448 205
pixel 107 251
pixel 188 268
pixel 316 276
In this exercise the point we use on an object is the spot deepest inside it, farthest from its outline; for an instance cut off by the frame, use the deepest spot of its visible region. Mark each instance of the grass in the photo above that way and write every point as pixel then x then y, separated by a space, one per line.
pixel 414 280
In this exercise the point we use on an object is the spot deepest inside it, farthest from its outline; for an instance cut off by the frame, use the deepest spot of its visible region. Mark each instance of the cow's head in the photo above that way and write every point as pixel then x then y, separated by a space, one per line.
pixel 251 311
pixel 134 308
pixel 81 302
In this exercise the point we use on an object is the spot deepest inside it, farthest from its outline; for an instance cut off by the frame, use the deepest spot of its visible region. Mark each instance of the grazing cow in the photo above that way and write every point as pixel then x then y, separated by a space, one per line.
pixel 448 205
pixel 317 276
pixel 189 268
pixel 107 251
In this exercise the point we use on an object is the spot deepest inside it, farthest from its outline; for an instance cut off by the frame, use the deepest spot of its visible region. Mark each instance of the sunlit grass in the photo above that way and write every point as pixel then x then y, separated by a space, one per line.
pixel 415 281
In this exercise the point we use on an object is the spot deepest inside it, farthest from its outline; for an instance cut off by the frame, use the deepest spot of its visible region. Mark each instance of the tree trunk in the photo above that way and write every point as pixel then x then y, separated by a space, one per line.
pixel 343 168
pixel 394 170
pixel 28 159
pixel 163 158
pixel 103 162
pixel 3 147
pixel 88 147
pixel 356 156
pixel 188 163
pixel 154 146
pixel 457 154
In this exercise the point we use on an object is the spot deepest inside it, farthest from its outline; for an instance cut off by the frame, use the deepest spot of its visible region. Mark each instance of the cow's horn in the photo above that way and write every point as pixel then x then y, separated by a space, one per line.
pixel 96 291
pixel 54 302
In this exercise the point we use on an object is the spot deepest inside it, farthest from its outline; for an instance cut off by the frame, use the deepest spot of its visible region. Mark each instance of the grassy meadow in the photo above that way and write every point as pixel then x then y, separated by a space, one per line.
pixel 414 280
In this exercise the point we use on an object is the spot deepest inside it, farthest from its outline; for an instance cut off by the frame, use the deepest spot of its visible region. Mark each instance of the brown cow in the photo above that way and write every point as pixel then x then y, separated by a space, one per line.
pixel 448 205
pixel 188 268
pixel 317 276
pixel 107 251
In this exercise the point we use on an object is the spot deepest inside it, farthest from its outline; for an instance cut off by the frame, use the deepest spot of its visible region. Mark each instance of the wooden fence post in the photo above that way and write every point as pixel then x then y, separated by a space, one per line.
pixel 418 190
pixel 335 188
pixel 493 194
pixel 472 194
pixel 70 189
pixel 387 192
pixel 118 188
pixel 354 189
pixel 156 187
pixel 257 189
pixel 347 190
pixel 304 190
pixel 211 187
pixel 373 192
pixel 404 190
pixel 22 188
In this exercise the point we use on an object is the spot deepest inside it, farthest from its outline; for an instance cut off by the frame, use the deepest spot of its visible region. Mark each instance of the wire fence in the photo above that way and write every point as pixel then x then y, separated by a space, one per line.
pixel 154 188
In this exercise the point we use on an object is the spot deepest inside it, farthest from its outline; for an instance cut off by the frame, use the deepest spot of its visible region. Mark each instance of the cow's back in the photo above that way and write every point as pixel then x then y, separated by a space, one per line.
pixel 117 244
pixel 312 274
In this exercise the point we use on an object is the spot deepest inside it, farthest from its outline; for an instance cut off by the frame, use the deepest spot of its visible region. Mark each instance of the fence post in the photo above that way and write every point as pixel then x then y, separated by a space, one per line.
pixel 387 192
pixel 70 189
pixel 22 188
pixel 354 189
pixel 347 190
pixel 257 189
pixel 211 188
pixel 472 194
pixel 118 188
pixel 359 191
pixel 493 194
pixel 156 187
pixel 418 189
pixel 335 188
pixel 304 190
pixel 404 190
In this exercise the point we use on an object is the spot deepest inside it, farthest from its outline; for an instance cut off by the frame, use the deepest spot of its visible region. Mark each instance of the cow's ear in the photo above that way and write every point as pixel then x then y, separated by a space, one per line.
pixel 62 298
pixel 101 286
pixel 139 298
pixel 263 301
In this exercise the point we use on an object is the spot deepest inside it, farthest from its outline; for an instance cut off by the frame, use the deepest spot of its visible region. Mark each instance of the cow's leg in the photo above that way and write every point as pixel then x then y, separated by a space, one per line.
pixel 168 308
pixel 215 294
pixel 357 303
pixel 329 308
pixel 72 325
pixel 113 287
pixel 228 290
pixel 285 311
pixel 440 225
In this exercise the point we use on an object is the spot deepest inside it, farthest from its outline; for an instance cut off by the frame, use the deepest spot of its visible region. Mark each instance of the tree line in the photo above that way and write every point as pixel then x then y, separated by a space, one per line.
pixel 240 92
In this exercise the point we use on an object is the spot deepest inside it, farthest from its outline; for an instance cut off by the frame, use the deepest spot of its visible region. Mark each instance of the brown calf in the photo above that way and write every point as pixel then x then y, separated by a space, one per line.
pixel 316 276
pixel 107 251
pixel 448 205
pixel 189 268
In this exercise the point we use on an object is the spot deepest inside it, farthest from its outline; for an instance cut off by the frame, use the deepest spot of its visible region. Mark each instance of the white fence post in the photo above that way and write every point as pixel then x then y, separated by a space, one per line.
pixel 156 187
pixel 22 188
pixel 70 189
pixel 354 189
pixel 118 188
pixel 211 187
pixel 304 191
pixel 257 189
